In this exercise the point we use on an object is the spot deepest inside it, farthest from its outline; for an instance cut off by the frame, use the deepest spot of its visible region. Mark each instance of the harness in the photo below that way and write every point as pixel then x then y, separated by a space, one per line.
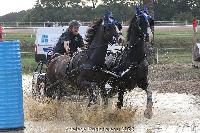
pixel 131 64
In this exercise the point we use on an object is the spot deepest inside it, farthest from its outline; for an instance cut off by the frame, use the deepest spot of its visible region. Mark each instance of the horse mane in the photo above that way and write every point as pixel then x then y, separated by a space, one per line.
pixel 133 20
pixel 151 22
pixel 92 31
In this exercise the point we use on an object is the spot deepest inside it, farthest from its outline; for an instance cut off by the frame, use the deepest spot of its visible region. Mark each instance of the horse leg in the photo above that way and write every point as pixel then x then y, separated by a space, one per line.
pixel 144 85
pixel 148 112
pixel 90 87
pixel 92 94
pixel 104 96
pixel 120 97
pixel 51 92
pixel 59 91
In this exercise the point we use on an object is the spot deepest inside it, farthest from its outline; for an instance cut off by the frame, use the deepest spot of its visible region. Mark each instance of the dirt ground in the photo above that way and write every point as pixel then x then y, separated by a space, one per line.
pixel 175 78
pixel 176 98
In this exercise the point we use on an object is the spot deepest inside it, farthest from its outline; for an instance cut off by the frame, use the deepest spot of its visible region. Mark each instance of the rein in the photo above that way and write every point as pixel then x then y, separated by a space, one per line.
pixel 102 45
pixel 98 46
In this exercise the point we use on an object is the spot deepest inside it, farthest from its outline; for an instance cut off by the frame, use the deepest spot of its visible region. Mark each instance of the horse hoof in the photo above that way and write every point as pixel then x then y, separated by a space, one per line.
pixel 119 106
pixel 88 105
pixel 91 103
pixel 105 106
pixel 148 113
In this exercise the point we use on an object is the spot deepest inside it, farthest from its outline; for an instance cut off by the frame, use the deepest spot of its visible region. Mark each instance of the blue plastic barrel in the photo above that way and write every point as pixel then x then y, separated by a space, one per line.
pixel 11 94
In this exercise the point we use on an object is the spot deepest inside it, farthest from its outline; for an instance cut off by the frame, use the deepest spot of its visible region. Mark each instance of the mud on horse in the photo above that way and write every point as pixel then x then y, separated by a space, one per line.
pixel 84 69
pixel 131 66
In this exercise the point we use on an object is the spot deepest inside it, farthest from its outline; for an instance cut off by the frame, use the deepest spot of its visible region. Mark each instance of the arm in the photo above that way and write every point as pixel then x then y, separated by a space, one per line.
pixel 66 40
pixel 81 43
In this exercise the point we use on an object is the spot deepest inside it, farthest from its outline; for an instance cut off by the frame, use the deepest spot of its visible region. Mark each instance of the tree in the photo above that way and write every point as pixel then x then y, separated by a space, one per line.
pixel 94 3
pixel 124 2
pixel 74 3
pixel 53 3
pixel 164 9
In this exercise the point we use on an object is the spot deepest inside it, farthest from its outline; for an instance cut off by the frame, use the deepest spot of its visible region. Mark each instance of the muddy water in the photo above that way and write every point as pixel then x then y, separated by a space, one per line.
pixel 173 113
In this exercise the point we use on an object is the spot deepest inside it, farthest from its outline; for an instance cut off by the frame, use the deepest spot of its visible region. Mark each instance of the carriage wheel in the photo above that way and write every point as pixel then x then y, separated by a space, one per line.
pixel 53 90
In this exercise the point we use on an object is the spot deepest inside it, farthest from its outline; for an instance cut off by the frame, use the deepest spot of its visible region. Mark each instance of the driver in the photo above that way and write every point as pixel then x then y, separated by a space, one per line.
pixel 70 40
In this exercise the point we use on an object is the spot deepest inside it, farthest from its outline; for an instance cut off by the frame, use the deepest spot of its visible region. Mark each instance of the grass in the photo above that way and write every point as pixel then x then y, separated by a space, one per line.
pixel 27 45
pixel 176 37
pixel 179 37
pixel 25 38
pixel 174 56
pixel 28 62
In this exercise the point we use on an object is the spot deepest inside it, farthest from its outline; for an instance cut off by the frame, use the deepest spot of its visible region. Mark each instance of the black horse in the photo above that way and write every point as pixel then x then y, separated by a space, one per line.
pixel 131 66
pixel 85 69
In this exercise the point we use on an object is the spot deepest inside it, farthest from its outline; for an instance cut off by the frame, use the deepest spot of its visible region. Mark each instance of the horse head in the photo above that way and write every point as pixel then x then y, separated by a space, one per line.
pixel 138 26
pixel 99 36
pixel 131 66
pixel 137 33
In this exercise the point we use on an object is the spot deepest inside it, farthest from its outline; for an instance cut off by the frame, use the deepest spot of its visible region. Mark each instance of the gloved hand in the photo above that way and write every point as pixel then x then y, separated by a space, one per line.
pixel 79 49
pixel 121 39
pixel 66 46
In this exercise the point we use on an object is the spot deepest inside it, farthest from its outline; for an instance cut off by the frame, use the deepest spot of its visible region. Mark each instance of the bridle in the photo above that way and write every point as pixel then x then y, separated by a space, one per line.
pixel 108 42
pixel 138 28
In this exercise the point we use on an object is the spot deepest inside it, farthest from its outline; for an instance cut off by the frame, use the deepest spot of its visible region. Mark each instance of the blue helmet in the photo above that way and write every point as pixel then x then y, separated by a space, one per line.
pixel 110 20
pixel 144 13
pixel 145 9
pixel 108 14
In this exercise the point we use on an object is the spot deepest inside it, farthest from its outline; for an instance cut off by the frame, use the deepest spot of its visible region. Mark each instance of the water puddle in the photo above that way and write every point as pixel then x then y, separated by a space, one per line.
pixel 173 113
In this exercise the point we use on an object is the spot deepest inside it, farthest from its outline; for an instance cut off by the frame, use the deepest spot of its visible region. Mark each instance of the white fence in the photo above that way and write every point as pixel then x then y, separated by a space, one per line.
pixel 174 23
pixel 38 24
pixel 45 24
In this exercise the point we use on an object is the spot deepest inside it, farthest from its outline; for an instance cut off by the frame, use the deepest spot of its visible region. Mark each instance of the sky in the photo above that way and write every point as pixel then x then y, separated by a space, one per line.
pixel 8 6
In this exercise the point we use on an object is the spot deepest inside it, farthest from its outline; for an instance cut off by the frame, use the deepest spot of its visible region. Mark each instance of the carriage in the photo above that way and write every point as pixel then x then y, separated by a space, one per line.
pixel 40 82
pixel 196 55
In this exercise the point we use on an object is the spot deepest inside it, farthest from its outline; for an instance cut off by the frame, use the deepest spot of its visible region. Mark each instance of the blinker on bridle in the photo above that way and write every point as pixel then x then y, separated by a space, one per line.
pixel 144 13
pixel 108 22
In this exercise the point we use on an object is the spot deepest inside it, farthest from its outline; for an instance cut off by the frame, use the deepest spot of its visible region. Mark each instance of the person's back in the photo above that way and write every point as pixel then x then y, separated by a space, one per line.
pixel 59 48
pixel 194 23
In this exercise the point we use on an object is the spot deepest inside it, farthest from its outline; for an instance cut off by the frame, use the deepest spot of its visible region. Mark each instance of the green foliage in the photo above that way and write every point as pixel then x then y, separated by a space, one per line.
pixel 14 16
pixel 175 38
pixel 183 15
pixel 174 56
pixel 177 9
pixel 181 41
pixel 28 62
pixel 26 39
pixel 53 3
